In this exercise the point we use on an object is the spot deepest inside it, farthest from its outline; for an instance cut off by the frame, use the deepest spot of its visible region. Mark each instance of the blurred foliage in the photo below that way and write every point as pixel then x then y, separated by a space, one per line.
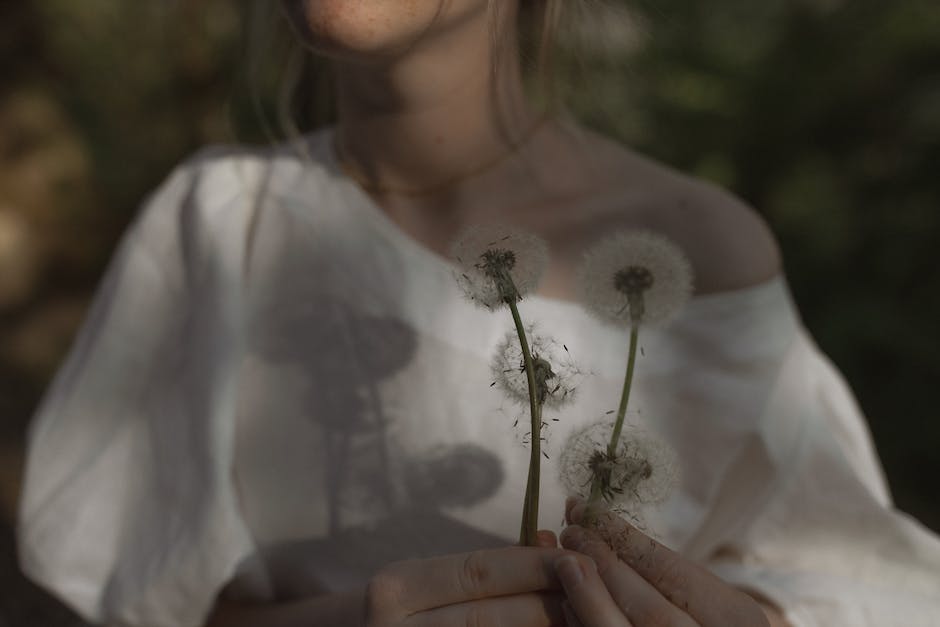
pixel 823 114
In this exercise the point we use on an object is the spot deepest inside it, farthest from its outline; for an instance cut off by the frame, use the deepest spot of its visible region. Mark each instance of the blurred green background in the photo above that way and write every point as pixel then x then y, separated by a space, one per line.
pixel 823 114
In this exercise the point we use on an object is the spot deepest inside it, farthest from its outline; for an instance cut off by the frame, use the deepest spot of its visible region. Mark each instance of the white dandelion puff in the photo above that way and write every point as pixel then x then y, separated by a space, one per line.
pixel 643 470
pixel 635 277
pixel 497 263
pixel 556 373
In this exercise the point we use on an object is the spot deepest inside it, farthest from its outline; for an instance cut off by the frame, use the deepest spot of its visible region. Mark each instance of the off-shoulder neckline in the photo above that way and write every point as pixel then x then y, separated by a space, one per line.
pixel 321 145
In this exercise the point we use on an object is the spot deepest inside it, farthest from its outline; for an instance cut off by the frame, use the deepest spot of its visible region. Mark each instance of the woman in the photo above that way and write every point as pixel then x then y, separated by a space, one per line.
pixel 279 395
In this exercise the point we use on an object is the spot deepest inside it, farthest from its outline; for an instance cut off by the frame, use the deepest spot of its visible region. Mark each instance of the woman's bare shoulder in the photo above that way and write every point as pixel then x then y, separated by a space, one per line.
pixel 728 242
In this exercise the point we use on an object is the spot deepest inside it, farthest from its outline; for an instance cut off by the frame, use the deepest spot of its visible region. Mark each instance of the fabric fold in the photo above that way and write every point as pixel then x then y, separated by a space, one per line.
pixel 128 510
pixel 817 533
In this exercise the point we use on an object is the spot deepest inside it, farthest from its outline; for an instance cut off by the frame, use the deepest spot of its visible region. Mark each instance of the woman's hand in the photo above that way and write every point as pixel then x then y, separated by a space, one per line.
pixel 514 586
pixel 644 583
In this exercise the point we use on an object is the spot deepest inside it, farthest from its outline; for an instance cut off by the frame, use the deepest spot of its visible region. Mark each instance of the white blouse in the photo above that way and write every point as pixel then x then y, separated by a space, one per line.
pixel 277 388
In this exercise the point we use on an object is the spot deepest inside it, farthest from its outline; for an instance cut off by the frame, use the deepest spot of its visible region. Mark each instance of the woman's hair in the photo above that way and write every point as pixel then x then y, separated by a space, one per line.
pixel 292 89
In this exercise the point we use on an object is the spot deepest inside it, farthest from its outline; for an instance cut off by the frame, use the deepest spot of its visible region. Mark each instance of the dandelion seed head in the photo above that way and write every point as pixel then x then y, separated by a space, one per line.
pixel 643 470
pixel 633 280
pixel 496 262
pixel 553 366
pixel 635 277
pixel 493 260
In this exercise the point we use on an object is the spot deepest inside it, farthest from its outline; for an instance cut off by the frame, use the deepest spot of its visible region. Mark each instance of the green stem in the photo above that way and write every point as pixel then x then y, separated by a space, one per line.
pixel 625 393
pixel 595 496
pixel 524 531
pixel 530 511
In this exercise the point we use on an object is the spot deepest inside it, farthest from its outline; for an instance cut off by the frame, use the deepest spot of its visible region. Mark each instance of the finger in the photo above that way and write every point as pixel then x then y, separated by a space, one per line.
pixel 521 610
pixel 571 619
pixel 404 588
pixel 546 539
pixel 635 597
pixel 587 594
pixel 689 586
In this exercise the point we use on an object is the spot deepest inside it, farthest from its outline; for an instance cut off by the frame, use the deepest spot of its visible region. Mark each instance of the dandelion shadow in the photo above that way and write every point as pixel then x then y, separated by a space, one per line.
pixel 331 345
pixel 454 476
pixel 382 504
pixel 341 357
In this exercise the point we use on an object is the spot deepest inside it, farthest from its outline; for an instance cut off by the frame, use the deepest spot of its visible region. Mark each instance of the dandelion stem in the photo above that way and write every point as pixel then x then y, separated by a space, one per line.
pixel 597 489
pixel 530 509
pixel 625 393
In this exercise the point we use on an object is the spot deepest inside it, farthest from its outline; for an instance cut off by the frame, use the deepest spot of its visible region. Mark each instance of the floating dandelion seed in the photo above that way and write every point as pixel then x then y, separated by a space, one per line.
pixel 643 469
pixel 557 375
pixel 635 277
pixel 498 263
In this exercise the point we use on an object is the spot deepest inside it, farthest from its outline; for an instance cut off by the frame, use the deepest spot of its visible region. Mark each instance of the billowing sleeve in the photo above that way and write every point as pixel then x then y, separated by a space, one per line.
pixel 804 518
pixel 128 512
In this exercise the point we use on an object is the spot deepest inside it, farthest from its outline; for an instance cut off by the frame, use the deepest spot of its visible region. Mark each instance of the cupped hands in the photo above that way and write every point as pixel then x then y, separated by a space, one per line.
pixel 642 583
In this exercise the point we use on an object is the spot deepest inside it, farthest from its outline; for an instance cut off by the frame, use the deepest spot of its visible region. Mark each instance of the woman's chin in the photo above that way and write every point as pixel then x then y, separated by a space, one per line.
pixel 374 30
pixel 340 28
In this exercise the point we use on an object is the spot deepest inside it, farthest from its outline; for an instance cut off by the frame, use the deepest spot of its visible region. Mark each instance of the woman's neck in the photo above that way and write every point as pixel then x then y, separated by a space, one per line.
pixel 436 112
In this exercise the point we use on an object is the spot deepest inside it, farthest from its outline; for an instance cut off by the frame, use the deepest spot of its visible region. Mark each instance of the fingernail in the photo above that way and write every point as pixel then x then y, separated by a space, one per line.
pixel 569 571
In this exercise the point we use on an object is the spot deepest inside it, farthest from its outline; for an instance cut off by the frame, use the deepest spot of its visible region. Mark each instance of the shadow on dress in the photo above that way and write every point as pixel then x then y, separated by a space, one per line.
pixel 382 501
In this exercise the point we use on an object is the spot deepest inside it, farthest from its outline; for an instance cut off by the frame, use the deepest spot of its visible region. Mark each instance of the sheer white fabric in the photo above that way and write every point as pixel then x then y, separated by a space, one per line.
pixel 279 389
